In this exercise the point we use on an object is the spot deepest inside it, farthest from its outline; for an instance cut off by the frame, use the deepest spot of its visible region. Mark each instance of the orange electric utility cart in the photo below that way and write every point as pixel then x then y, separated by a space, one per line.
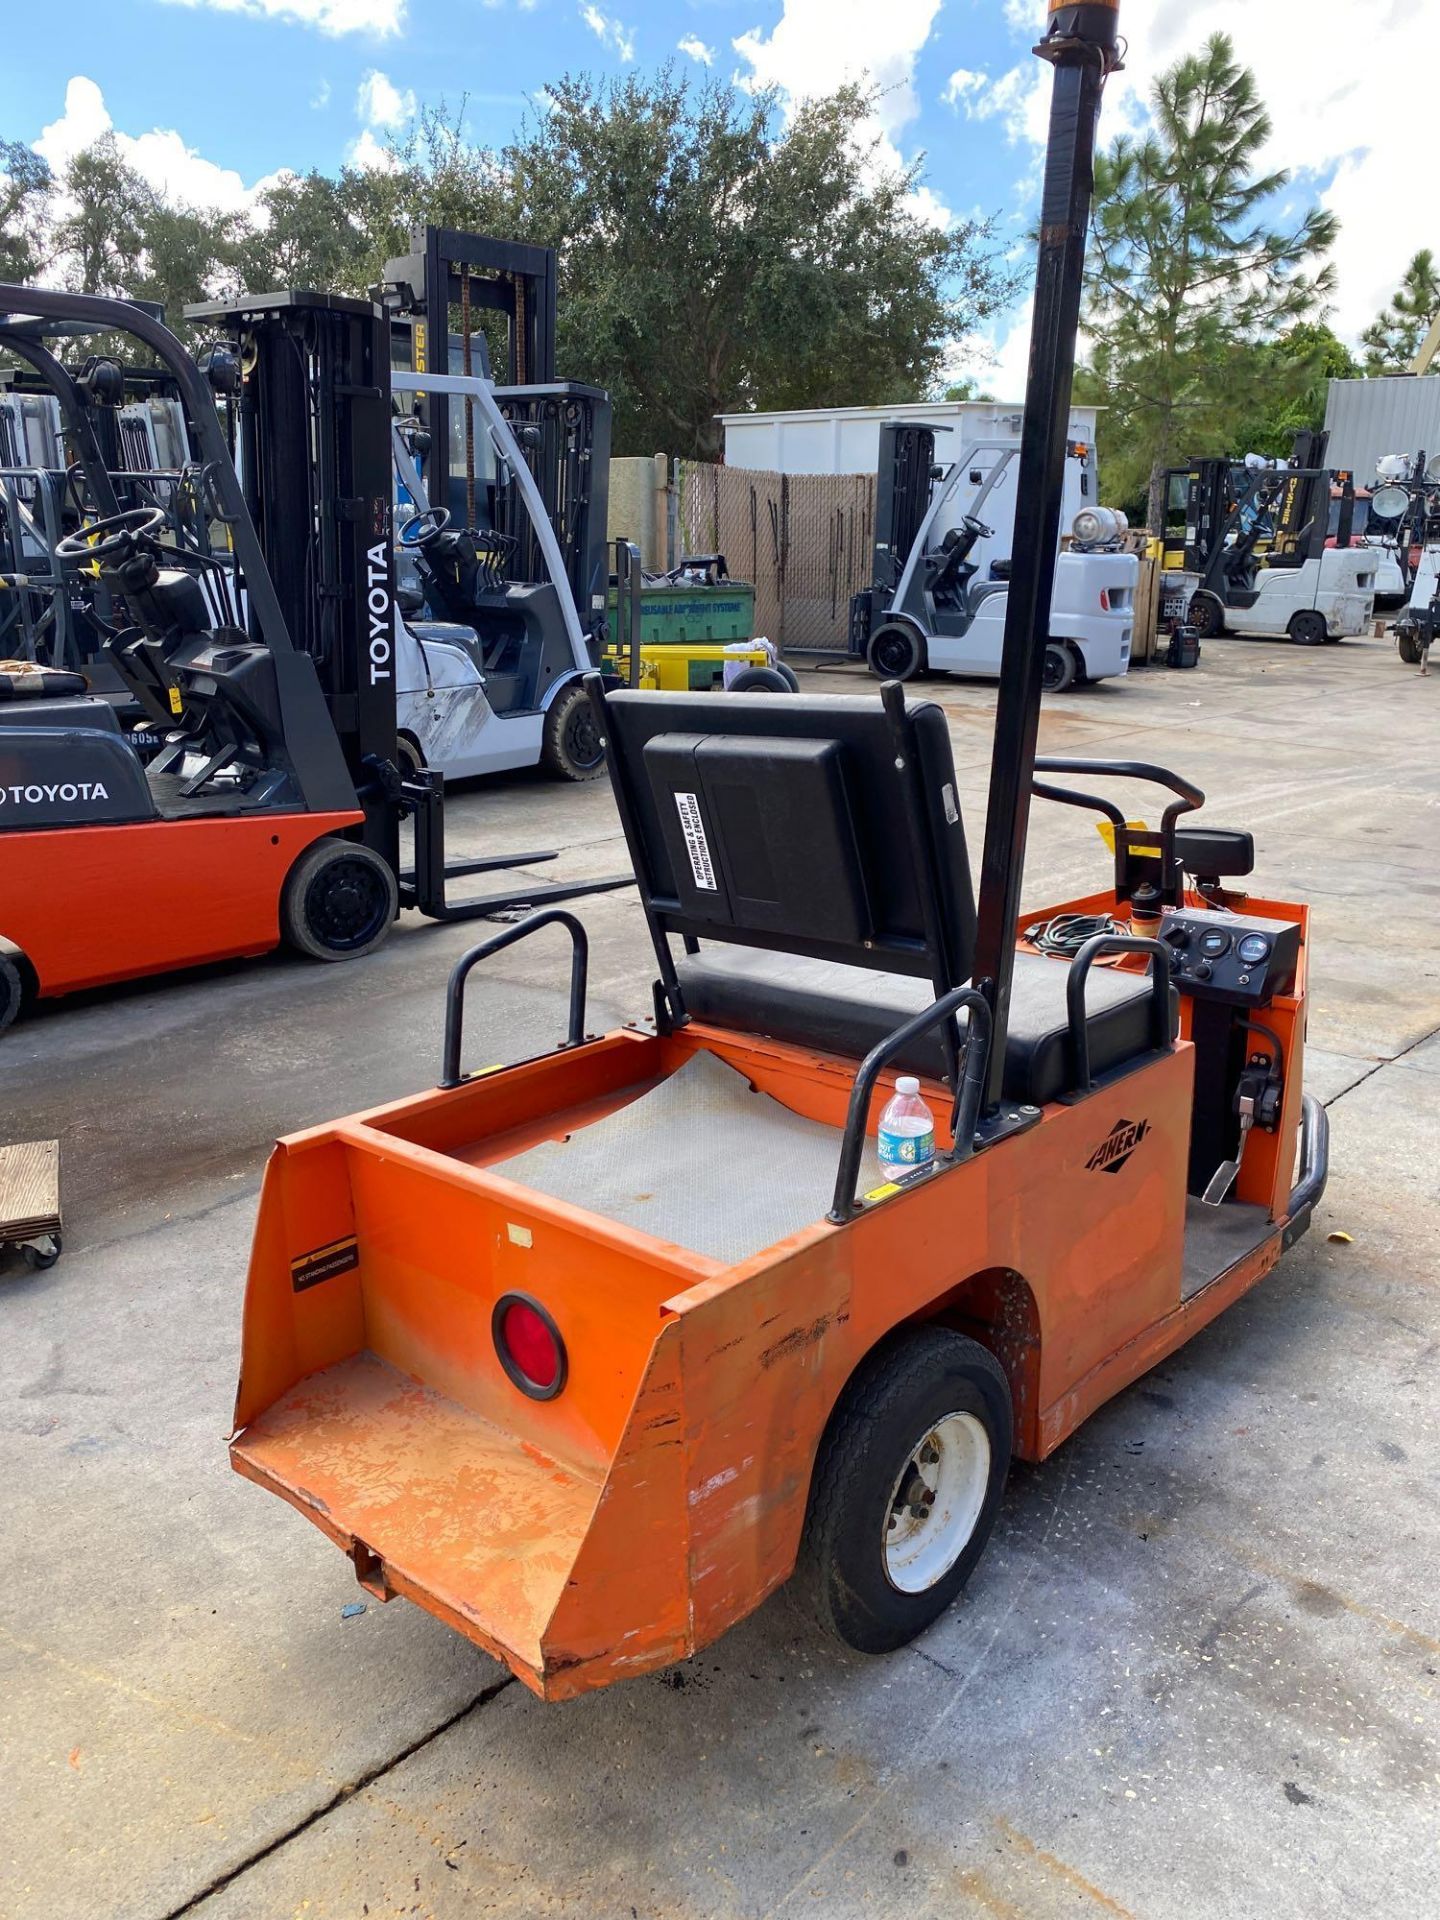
pixel 589 1354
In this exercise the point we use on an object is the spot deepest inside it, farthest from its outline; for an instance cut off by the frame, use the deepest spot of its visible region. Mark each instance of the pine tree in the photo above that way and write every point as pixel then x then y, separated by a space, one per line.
pixel 1187 278
pixel 1397 334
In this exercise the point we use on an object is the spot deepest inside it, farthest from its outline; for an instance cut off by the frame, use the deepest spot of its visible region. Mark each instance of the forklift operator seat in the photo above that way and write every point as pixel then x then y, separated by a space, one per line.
pixel 820 843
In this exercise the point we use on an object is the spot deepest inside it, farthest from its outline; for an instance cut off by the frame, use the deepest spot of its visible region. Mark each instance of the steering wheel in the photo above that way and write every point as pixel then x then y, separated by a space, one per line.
pixel 421 528
pixel 977 529
pixel 120 529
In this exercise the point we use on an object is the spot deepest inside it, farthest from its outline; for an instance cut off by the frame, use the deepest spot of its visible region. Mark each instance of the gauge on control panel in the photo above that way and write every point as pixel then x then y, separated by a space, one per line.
pixel 1215 942
pixel 1253 949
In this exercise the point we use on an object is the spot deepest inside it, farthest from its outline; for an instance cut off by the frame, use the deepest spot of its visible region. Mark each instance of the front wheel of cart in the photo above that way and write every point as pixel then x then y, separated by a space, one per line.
pixel 906 1488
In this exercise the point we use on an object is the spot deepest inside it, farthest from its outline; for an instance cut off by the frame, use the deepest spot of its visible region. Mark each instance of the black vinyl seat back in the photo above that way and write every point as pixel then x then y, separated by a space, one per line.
pixel 829 827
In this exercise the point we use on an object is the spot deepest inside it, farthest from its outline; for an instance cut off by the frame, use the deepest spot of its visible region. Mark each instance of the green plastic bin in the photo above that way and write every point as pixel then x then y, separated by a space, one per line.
pixel 672 613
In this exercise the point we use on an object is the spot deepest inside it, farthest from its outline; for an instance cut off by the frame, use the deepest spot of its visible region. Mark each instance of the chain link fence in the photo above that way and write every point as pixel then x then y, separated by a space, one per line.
pixel 804 539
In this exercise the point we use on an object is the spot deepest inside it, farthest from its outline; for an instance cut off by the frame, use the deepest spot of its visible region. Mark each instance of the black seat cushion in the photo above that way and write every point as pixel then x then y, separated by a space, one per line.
pixel 19 680
pixel 845 1010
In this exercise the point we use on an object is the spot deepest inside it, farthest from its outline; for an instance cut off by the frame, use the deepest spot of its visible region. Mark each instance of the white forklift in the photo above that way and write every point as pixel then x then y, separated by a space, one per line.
pixel 1413 504
pixel 1256 563
pixel 928 609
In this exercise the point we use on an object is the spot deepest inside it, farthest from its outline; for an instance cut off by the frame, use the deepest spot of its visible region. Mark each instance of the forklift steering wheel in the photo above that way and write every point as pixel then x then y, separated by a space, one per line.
pixel 120 529
pixel 421 528
pixel 976 527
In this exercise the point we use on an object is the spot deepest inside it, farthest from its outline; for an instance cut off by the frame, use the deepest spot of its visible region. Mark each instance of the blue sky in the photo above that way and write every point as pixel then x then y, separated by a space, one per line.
pixel 231 91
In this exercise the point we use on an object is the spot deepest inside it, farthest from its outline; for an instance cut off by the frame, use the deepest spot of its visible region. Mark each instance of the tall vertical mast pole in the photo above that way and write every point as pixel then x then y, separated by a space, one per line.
pixel 1081 44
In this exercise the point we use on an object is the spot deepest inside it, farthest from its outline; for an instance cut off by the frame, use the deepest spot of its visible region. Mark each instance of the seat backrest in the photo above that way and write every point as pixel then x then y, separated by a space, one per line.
pixel 829 827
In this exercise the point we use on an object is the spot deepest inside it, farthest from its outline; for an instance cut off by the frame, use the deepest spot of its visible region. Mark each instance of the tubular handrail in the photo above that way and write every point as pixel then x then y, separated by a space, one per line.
pixel 1190 796
pixel 1075 996
pixel 967 1100
pixel 450 1074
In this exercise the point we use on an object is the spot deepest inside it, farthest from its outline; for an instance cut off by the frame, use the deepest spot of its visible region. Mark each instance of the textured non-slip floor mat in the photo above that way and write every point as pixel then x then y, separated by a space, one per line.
pixel 701 1160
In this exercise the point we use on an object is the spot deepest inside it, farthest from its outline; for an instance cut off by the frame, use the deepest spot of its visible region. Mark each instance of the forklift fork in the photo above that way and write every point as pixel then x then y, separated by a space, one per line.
pixel 423 886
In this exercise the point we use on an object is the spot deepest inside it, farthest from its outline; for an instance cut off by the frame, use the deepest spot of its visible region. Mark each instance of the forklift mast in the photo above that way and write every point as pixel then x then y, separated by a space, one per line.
pixel 903 478
pixel 450 280
pixel 312 419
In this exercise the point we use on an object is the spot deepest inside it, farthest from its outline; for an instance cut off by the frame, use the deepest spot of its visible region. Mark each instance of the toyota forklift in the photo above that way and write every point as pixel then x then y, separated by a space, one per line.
pixel 272 810
pixel 589 1354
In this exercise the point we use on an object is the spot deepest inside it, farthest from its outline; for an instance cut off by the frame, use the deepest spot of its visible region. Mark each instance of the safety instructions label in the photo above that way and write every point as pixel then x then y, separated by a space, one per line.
pixel 324 1263
pixel 687 805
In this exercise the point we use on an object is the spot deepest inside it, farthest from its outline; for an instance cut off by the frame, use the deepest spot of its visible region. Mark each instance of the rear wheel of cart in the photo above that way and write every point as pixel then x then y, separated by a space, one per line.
pixel 906 1488
pixel 1307 628
pixel 40 1255
pixel 572 749
pixel 787 675
pixel 896 651
pixel 1407 640
pixel 339 901
pixel 1206 615
pixel 1061 667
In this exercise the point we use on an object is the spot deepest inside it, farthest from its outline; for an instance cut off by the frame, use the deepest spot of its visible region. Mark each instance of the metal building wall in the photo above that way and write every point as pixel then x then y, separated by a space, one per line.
pixel 1366 419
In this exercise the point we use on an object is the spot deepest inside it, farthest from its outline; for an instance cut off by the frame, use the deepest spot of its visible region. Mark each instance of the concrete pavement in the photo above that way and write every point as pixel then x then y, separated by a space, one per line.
pixel 1195 1675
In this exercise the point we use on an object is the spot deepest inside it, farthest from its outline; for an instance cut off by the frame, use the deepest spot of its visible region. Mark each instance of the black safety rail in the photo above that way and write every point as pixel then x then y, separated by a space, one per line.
pixel 450 1074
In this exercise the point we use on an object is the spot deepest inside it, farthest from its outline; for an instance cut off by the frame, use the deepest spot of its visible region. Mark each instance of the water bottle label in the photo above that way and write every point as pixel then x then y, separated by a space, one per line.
pixel 906 1149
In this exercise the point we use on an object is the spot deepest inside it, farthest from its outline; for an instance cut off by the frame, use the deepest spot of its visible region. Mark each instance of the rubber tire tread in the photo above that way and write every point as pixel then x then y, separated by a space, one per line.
pixel 1072 663
pixel 12 991
pixel 554 758
pixel 900 1371
pixel 294 928
pixel 761 680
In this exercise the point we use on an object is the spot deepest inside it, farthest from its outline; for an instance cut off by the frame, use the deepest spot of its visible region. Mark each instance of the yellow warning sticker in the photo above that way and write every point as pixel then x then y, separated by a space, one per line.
pixel 175 705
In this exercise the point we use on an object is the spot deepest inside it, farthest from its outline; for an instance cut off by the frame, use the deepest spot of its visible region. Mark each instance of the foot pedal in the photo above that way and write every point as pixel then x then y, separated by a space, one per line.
pixel 1228 1171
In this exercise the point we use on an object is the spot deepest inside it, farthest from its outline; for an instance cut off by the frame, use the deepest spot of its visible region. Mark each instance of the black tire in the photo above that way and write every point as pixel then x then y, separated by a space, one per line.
pixel 895 652
pixel 408 757
pixel 572 748
pixel 1061 667
pixel 40 1259
pixel 1406 639
pixel 900 1399
pixel 1206 615
pixel 1307 628
pixel 339 901
pixel 761 680
pixel 12 991
pixel 787 675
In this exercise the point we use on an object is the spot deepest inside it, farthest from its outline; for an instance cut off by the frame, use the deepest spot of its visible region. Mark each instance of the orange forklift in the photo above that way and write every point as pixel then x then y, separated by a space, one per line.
pixel 590 1354
pixel 263 664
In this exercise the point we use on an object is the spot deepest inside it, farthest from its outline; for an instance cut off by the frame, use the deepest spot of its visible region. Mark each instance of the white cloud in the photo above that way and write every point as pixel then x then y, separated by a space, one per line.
pixel 696 48
pixel 609 32
pixel 177 172
pixel 380 19
pixel 321 96
pixel 962 85
pixel 370 155
pixel 380 103
pixel 819 45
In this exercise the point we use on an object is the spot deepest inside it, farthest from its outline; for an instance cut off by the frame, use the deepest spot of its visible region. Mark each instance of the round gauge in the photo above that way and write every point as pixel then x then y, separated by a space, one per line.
pixel 1253 949
pixel 1215 942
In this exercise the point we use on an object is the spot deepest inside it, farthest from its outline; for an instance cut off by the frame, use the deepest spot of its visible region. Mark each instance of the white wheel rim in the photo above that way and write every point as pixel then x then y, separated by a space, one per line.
pixel 935 1503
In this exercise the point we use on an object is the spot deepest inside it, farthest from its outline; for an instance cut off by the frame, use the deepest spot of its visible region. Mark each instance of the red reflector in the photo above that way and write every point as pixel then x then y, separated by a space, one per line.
pixel 529 1345
pixel 1104 600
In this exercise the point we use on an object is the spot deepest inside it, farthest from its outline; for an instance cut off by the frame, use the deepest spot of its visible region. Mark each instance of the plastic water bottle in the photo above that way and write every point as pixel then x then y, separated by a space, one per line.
pixel 907 1131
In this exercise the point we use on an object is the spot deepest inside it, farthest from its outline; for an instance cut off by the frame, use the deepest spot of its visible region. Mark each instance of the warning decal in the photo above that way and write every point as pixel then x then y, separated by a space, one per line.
pixel 324 1263
pixel 687 805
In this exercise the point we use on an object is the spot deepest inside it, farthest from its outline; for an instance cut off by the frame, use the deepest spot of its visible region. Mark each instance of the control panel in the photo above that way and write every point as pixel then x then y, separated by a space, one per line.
pixel 1231 957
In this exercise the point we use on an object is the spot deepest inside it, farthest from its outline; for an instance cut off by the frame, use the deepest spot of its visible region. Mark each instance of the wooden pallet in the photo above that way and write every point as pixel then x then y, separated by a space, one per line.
pixel 29 1189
